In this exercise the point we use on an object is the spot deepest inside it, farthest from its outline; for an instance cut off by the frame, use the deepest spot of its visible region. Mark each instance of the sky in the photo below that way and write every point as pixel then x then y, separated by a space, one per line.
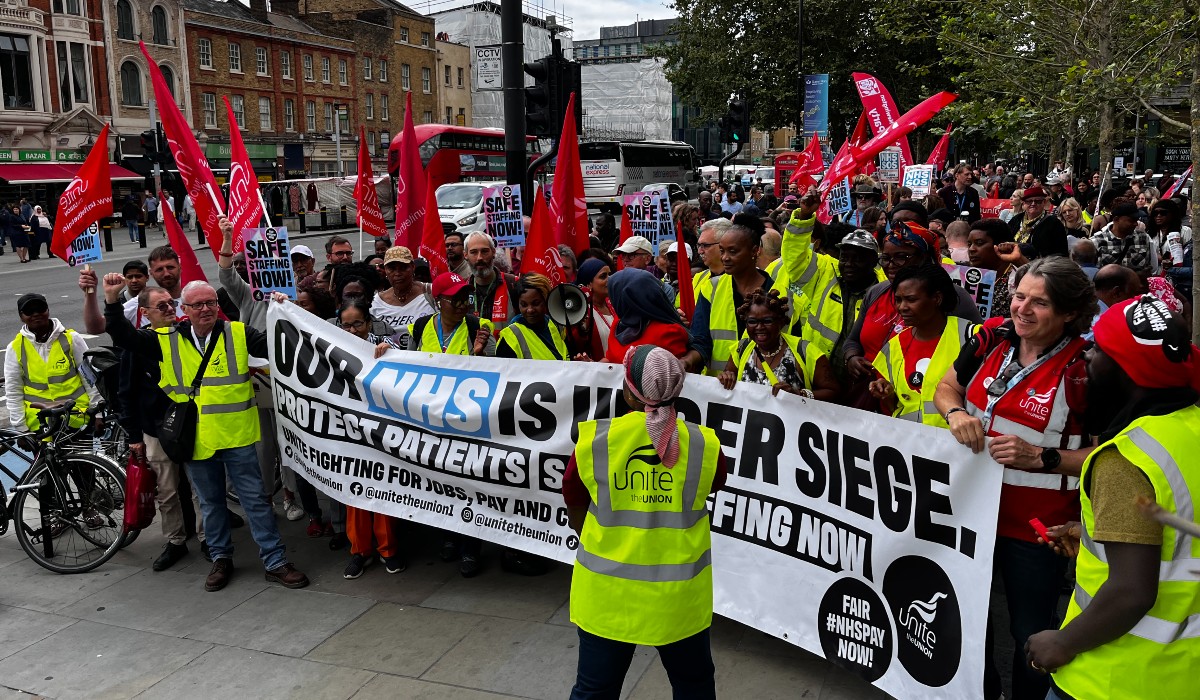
pixel 589 16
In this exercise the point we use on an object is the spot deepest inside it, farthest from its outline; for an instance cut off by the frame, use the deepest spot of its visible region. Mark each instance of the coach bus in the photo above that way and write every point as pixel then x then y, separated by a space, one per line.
pixel 612 169
pixel 458 153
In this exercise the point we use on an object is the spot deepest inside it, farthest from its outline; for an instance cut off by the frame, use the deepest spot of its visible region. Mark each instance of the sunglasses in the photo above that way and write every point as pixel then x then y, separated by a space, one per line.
pixel 999 385
pixel 35 310
pixel 165 306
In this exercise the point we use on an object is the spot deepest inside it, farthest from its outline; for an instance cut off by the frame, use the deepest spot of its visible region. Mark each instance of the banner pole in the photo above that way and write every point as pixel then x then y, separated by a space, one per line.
pixel 266 214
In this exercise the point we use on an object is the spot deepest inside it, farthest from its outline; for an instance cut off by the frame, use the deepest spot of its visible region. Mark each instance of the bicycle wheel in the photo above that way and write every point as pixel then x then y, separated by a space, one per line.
pixel 70 521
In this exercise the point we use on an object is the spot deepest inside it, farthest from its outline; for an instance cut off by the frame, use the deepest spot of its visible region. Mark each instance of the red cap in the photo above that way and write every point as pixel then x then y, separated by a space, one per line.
pixel 448 284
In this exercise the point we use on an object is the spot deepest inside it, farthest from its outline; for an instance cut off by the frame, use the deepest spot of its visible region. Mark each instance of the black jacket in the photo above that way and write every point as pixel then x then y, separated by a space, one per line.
pixel 1049 236
pixel 141 402
pixel 144 342
pixel 957 203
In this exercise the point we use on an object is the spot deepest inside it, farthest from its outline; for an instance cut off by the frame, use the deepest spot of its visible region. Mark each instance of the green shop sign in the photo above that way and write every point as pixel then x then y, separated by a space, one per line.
pixel 256 151
pixel 34 156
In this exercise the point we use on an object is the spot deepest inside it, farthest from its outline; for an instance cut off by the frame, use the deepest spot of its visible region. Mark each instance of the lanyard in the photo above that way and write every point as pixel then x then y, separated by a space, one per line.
pixel 442 340
pixel 1017 378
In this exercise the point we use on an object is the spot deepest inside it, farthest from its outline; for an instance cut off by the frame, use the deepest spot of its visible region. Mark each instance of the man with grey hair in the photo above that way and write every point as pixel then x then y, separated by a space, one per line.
pixel 206 352
pixel 769 248
pixel 494 291
pixel 708 245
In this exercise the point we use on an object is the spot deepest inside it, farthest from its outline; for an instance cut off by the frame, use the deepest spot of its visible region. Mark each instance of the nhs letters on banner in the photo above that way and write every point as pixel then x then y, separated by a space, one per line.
pixel 849 534
pixel 889 166
pixel 268 262
pixel 86 248
pixel 650 216
pixel 502 215
pixel 839 198
pixel 979 283
pixel 918 178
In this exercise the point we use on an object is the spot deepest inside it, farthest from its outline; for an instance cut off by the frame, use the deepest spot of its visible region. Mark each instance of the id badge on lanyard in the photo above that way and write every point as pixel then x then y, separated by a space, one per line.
pixel 1016 379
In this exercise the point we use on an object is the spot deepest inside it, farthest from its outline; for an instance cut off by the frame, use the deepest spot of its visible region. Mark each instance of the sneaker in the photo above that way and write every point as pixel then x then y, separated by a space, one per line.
pixel 204 551
pixel 287 576
pixel 339 541
pixel 219 577
pixel 469 566
pixel 315 529
pixel 356 566
pixel 171 553
pixel 292 510
pixel 395 564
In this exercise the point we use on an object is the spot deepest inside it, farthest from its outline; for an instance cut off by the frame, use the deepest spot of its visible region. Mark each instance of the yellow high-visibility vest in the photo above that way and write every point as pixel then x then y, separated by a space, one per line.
pixel 54 379
pixel 528 345
pixel 917 405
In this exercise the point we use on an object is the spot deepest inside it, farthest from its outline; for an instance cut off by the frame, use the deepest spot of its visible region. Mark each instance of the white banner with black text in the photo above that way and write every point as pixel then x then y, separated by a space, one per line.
pixel 859 537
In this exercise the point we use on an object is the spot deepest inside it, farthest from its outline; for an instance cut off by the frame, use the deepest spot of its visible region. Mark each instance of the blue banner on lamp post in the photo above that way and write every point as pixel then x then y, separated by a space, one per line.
pixel 816 106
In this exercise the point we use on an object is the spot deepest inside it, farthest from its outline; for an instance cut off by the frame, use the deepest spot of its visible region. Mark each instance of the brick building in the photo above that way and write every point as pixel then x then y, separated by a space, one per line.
pixel 454 82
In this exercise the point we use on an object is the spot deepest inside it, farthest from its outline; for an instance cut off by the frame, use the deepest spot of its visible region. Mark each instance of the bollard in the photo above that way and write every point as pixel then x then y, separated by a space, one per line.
pixel 343 215
pixel 303 222
pixel 324 218
pixel 107 228
pixel 141 234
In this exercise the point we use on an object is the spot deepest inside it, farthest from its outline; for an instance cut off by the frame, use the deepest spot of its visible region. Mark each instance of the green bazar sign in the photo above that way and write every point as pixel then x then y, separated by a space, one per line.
pixel 256 151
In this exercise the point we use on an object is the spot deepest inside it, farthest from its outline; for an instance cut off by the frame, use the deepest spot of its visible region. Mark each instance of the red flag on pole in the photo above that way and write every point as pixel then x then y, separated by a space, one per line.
pixel 87 198
pixel 683 270
pixel 193 166
pixel 811 163
pixel 433 236
pixel 245 210
pixel 541 246
pixel 938 157
pixel 878 102
pixel 567 202
pixel 903 126
pixel 1178 183
pixel 369 217
pixel 189 267
pixel 626 232
pixel 410 184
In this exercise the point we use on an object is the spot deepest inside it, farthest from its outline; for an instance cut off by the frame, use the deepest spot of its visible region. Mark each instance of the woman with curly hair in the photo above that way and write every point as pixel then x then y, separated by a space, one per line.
pixel 769 356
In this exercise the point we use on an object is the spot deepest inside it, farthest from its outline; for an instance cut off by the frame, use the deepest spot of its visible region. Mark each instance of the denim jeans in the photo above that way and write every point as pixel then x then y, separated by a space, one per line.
pixel 132 225
pixel 1032 575
pixel 208 476
pixel 603 664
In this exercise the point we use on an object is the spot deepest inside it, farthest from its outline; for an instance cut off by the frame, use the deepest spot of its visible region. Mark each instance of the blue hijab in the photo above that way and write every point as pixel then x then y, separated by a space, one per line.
pixel 637 298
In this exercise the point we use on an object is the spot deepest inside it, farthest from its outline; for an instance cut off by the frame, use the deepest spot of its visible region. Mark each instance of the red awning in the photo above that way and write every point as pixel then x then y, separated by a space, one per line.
pixel 49 173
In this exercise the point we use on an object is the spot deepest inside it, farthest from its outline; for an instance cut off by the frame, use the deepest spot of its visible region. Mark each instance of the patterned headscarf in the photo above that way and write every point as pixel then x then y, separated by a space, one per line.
pixel 913 234
pixel 655 378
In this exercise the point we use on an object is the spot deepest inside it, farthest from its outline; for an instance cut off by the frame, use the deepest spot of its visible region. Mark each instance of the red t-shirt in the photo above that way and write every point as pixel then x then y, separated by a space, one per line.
pixel 915 351
pixel 576 495
pixel 672 337
pixel 880 323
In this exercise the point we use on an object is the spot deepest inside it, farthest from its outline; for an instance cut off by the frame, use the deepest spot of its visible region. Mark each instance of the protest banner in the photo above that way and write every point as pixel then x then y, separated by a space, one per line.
pixel 840 201
pixel 991 208
pixel 502 215
pixel 888 171
pixel 268 262
pixel 649 215
pixel 919 179
pixel 979 283
pixel 86 248
pixel 850 534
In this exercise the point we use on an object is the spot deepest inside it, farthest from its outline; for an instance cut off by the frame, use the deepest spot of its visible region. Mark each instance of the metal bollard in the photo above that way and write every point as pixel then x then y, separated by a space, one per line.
pixel 303 222
pixel 141 234
pixel 343 215
pixel 324 217
pixel 107 228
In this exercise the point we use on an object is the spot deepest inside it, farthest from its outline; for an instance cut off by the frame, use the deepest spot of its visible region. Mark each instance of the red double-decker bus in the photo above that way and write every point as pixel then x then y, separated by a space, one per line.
pixel 459 153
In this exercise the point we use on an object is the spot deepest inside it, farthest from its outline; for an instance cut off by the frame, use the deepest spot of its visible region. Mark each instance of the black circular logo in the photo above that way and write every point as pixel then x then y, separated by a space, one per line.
pixel 854 628
pixel 356 488
pixel 272 235
pixel 928 620
pixel 507 191
pixel 974 275
pixel 258 295
pixel 572 542
pixel 71 261
pixel 467 515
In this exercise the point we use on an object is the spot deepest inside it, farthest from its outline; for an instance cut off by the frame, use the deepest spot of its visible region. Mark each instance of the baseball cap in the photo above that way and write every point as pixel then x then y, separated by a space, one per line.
pixel 32 303
pixel 302 250
pixel 397 253
pixel 674 248
pixel 860 238
pixel 446 284
pixel 636 244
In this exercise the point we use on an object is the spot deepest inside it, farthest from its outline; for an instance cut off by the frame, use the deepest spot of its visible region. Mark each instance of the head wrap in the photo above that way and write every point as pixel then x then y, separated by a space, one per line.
pixel 913 234
pixel 587 271
pixel 1162 289
pixel 1150 343
pixel 637 299
pixel 655 378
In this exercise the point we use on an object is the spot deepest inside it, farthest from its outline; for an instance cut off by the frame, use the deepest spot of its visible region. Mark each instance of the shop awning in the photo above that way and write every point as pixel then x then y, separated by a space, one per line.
pixel 50 173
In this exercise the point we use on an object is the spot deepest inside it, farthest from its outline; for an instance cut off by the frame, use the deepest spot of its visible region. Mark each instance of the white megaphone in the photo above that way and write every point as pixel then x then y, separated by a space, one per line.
pixel 567 304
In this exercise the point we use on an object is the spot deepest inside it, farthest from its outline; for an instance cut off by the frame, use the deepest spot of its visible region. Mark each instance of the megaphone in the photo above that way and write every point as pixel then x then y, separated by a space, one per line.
pixel 567 304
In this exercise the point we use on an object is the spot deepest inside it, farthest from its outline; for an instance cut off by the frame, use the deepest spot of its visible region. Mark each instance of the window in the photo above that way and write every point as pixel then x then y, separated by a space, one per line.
pixel 310 116
pixel 343 71
pixel 460 77
pixel 343 116
pixel 70 7
pixel 158 23
pixel 382 70
pixel 371 142
pixel 404 34
pixel 285 65
pixel 367 66
pixel 370 106
pixel 204 51
pixel 125 28
pixel 447 76
pixel 72 74
pixel 238 103
pixel 235 58
pixel 449 115
pixel 383 107
pixel 424 38
pixel 264 113
pixel 209 100
pixel 289 115
pixel 426 81
pixel 405 80
pixel 168 77
pixel 308 67
pixel 131 82
pixel 325 69
pixel 427 118
pixel 263 61
pixel 329 117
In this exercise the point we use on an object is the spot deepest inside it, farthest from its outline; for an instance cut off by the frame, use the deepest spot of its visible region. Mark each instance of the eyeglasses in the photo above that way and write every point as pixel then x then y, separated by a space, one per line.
pixel 999 385
pixel 206 304
pixel 165 307
pixel 767 321
pixel 457 301
pixel 705 246
pixel 353 325
pixel 898 258
pixel 1035 202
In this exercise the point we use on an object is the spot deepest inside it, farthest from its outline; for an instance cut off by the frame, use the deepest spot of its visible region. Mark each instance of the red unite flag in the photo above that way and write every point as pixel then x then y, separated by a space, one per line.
pixel 433 236
pixel 902 127
pixel 541 246
pixel 938 157
pixel 87 198
pixel 811 163
pixel 245 207
pixel 683 270
pixel 879 103
pixel 370 217
pixel 410 185
pixel 567 203
pixel 189 159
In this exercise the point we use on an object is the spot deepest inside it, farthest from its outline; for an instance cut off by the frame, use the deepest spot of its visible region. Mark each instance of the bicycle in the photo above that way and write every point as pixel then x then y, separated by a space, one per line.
pixel 67 510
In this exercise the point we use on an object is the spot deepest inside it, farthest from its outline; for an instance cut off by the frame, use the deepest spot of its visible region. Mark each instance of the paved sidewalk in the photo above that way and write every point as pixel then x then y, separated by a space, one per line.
pixel 123 631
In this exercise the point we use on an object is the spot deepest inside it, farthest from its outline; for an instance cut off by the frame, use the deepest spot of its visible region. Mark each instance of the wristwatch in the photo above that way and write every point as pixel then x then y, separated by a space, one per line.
pixel 1050 459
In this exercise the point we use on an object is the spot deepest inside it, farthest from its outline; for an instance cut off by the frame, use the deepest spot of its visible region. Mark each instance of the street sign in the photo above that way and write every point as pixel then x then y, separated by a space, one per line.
pixel 488 67
pixel 889 166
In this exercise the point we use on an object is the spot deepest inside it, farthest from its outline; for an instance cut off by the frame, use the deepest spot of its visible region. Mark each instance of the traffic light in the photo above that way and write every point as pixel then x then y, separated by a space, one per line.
pixel 572 82
pixel 149 141
pixel 739 120
pixel 540 97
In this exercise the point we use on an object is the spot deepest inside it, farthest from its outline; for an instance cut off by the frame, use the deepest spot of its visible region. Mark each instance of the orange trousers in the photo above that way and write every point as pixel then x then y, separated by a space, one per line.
pixel 370 532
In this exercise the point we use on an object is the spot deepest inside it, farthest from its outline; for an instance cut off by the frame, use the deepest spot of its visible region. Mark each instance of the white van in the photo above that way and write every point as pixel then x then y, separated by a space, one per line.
pixel 460 205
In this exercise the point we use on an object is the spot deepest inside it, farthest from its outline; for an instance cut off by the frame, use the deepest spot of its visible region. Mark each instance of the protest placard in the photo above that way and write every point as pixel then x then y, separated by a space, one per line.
pixel 268 262
pixel 840 201
pixel 919 179
pixel 979 283
pixel 502 215
pixel 86 248
pixel 888 166
pixel 856 536
pixel 650 215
